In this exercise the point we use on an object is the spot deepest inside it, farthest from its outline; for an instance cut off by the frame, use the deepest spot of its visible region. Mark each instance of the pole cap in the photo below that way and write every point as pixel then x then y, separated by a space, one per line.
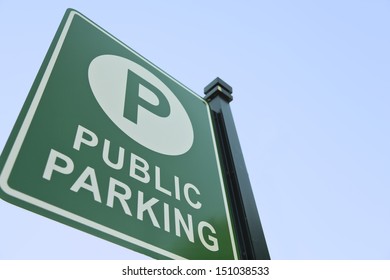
pixel 218 87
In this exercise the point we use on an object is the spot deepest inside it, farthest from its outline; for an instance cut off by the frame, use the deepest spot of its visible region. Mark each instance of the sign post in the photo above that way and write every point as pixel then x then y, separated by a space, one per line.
pixel 250 235
pixel 108 143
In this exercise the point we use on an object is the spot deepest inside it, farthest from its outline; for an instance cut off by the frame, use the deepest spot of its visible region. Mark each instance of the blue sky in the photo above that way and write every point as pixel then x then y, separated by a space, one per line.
pixel 311 94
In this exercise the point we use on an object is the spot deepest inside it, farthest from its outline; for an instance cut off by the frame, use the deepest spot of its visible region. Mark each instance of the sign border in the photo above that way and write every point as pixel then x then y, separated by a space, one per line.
pixel 21 130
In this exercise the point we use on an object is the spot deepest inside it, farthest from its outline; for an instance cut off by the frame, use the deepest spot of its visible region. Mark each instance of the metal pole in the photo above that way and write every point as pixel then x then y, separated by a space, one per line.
pixel 250 235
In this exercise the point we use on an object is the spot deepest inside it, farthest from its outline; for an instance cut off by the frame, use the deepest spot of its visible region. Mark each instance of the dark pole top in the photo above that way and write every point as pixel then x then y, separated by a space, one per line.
pixel 250 236
pixel 218 87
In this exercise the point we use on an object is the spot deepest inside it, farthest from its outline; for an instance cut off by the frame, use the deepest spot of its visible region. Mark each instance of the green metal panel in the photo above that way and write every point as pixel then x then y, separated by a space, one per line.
pixel 110 144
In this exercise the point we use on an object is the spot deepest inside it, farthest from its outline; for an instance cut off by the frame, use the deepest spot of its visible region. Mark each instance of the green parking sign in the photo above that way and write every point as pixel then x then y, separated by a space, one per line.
pixel 110 144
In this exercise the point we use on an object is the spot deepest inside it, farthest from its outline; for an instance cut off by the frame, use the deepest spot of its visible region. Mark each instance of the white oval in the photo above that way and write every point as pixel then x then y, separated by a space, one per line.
pixel 172 135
